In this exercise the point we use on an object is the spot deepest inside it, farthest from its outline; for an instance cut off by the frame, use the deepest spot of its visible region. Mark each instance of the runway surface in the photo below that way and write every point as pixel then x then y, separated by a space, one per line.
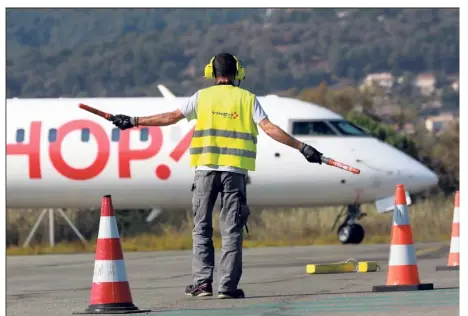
pixel 274 280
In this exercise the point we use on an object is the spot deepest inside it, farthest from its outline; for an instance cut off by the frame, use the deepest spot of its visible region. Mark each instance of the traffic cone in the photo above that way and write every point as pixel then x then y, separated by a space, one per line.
pixel 454 255
pixel 110 291
pixel 403 272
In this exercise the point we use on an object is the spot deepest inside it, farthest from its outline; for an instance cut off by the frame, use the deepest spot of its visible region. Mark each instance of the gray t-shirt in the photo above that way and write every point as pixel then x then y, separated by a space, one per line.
pixel 189 109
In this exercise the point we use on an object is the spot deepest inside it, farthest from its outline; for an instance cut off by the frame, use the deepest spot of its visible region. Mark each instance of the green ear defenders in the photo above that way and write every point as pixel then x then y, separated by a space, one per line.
pixel 240 74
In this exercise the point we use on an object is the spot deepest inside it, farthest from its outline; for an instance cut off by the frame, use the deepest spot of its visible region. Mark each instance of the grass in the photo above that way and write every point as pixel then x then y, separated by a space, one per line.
pixel 431 220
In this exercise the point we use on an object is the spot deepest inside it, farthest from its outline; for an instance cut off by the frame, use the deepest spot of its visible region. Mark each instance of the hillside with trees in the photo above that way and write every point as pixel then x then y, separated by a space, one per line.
pixel 126 52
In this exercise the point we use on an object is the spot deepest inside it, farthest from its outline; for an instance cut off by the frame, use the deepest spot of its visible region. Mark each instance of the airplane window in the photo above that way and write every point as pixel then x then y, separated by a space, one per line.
pixel 115 135
pixel 312 128
pixel 144 134
pixel 52 135
pixel 348 128
pixel 85 135
pixel 20 135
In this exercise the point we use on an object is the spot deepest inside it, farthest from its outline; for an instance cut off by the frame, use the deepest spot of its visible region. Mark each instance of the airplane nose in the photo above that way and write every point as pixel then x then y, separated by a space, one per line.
pixel 397 167
pixel 426 176
pixel 433 179
pixel 418 176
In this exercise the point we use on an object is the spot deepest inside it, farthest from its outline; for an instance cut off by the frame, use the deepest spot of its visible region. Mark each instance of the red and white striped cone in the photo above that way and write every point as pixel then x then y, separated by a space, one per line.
pixel 403 272
pixel 454 255
pixel 110 291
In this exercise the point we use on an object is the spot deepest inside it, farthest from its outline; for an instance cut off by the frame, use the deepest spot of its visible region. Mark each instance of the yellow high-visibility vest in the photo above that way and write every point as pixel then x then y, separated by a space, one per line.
pixel 225 133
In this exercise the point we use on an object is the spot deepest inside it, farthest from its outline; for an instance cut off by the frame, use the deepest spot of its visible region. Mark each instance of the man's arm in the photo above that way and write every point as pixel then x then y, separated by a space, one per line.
pixel 279 135
pixel 162 119
pixel 187 111
pixel 261 118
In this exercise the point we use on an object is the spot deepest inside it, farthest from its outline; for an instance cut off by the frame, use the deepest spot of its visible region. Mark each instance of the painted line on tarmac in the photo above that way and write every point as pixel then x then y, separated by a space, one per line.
pixel 337 304
pixel 287 310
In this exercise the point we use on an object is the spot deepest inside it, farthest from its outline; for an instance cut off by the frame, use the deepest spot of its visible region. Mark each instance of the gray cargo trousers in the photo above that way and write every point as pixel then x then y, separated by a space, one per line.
pixel 233 217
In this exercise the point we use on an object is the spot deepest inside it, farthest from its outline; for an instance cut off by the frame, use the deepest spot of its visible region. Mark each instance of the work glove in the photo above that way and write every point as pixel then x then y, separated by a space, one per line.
pixel 311 154
pixel 123 121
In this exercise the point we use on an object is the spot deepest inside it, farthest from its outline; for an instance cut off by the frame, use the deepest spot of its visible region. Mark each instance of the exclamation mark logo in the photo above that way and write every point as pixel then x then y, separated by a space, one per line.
pixel 163 171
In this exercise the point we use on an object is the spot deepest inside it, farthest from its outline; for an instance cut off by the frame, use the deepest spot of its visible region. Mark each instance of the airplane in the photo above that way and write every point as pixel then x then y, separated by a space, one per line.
pixel 60 156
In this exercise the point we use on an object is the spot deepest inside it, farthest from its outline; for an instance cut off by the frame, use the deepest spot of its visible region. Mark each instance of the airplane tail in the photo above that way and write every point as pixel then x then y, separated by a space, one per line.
pixel 166 92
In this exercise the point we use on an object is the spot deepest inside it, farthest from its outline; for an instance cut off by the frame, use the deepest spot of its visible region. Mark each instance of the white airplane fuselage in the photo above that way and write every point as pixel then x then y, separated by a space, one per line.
pixel 60 156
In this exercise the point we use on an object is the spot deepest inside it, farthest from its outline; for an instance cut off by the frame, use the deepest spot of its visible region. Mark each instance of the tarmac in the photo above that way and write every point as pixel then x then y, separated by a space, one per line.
pixel 274 280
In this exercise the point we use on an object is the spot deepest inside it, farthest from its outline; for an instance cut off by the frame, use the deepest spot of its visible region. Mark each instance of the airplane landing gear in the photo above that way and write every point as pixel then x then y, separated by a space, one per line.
pixel 349 232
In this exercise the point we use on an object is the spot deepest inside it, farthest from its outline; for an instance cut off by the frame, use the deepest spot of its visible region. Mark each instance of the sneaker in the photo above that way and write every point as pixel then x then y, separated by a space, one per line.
pixel 231 294
pixel 200 290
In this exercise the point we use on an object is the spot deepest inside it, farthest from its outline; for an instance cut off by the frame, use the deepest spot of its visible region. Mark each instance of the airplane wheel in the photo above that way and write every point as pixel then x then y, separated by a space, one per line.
pixel 358 234
pixel 344 234
pixel 350 234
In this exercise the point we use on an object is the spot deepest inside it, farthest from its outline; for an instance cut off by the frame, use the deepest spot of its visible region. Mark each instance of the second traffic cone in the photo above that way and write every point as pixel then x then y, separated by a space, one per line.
pixel 454 255
pixel 403 272
pixel 110 291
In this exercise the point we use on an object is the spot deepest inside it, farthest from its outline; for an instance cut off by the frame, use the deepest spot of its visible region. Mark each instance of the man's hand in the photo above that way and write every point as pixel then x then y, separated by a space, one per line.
pixel 311 154
pixel 123 121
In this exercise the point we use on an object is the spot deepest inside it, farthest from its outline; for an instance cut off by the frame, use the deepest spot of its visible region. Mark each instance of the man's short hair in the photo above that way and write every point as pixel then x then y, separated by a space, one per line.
pixel 224 65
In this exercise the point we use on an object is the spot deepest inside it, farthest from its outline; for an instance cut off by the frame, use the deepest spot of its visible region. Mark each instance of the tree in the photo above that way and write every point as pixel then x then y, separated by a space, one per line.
pixel 280 52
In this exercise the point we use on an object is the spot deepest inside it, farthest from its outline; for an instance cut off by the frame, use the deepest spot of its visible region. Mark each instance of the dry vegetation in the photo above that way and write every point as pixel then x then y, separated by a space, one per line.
pixel 431 221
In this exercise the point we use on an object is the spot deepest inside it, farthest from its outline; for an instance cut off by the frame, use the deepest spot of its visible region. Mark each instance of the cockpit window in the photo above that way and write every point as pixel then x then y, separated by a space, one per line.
pixel 315 128
pixel 348 128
